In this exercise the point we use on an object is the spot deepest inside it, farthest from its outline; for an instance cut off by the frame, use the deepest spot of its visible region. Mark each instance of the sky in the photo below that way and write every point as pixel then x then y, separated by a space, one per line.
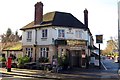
pixel 102 14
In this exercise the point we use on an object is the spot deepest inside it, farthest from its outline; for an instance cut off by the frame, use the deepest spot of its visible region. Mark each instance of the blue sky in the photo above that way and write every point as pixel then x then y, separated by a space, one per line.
pixel 102 14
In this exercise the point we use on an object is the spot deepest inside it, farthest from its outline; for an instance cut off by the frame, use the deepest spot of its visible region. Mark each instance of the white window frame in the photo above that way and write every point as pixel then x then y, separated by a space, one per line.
pixel 29 36
pixel 29 52
pixel 44 33
pixel 61 33
pixel 44 52
pixel 79 34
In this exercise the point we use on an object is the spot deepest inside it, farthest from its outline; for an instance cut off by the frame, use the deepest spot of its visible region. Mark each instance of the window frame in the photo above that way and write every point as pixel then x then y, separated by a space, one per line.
pixel 44 52
pixel 61 33
pixel 29 36
pixel 44 33
pixel 79 34
pixel 29 52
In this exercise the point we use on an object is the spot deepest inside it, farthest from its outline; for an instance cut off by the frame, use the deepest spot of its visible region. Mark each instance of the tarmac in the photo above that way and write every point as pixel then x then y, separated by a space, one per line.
pixel 76 73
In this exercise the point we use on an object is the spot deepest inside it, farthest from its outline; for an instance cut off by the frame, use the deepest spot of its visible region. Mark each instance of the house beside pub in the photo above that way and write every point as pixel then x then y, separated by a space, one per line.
pixel 14 49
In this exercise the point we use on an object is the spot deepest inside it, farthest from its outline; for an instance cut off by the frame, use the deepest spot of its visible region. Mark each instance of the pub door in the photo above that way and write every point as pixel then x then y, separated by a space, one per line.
pixel 76 59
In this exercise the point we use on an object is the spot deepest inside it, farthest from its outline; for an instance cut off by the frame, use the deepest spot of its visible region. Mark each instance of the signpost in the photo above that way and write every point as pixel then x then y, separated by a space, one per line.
pixel 99 40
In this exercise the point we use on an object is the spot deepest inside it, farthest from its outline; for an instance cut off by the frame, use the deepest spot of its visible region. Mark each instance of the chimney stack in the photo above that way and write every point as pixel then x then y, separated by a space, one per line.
pixel 38 13
pixel 86 17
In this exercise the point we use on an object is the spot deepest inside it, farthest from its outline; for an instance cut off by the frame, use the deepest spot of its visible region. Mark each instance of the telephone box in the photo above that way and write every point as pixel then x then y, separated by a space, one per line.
pixel 9 62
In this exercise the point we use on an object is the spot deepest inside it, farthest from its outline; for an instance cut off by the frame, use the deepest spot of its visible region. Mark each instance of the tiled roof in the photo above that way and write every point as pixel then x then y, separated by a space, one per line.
pixel 60 19
pixel 28 26
pixel 48 16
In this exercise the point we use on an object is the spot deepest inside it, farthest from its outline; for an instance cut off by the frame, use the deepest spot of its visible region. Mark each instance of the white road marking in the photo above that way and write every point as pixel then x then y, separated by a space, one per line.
pixel 104 66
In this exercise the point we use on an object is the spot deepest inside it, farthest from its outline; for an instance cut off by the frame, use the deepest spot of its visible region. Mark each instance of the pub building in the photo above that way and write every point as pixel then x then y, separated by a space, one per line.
pixel 57 33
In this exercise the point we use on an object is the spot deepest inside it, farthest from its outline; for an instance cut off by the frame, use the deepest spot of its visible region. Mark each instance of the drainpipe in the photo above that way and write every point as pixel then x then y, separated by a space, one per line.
pixel 35 42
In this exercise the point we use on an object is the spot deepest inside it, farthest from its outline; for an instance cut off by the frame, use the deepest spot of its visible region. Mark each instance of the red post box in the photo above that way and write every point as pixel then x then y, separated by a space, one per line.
pixel 9 64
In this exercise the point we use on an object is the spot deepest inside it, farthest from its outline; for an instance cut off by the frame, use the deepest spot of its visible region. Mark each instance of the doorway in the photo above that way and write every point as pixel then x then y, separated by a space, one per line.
pixel 75 58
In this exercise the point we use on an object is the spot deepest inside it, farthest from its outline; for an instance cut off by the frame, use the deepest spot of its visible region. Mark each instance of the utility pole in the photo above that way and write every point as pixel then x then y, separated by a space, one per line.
pixel 119 32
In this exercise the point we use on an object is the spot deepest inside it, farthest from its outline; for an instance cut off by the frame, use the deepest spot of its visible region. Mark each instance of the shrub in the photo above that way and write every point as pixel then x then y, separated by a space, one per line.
pixel 2 59
pixel 14 65
pixel 23 60
pixel 63 61
pixel 60 62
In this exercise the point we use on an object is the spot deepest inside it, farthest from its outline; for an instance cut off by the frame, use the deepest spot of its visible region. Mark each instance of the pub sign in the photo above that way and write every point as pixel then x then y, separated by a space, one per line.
pixel 99 38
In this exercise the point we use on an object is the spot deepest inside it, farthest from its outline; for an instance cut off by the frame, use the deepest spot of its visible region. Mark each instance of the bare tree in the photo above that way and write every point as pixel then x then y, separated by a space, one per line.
pixel 112 45
pixel 115 42
pixel 9 38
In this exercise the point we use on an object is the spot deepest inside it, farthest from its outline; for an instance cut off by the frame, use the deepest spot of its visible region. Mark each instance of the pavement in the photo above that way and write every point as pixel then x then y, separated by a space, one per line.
pixel 90 73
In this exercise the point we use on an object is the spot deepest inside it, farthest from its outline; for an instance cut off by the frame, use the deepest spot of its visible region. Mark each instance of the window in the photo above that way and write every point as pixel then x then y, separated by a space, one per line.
pixel 44 33
pixel 44 52
pixel 61 33
pixel 79 34
pixel 29 52
pixel 29 36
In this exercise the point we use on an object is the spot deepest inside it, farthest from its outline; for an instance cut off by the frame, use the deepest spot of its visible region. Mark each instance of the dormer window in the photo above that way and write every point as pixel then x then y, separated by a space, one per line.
pixel 29 36
pixel 44 33
pixel 61 33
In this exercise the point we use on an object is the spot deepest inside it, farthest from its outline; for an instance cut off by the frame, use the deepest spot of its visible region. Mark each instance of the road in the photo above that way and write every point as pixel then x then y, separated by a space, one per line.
pixel 13 77
pixel 109 64
pixel 111 68
pixel 110 73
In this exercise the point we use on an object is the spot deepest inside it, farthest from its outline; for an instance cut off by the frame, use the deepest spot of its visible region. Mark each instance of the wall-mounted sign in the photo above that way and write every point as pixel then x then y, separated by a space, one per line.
pixel 76 42
pixel 70 42
pixel 99 38
pixel 75 48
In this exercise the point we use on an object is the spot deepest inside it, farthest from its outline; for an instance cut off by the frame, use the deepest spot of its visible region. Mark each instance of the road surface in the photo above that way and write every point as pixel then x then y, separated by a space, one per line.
pixel 110 65
pixel 109 73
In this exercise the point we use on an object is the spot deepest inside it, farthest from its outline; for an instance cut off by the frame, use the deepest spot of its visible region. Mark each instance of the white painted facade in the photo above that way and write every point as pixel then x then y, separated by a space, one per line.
pixel 24 37
pixel 48 42
pixel 52 34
